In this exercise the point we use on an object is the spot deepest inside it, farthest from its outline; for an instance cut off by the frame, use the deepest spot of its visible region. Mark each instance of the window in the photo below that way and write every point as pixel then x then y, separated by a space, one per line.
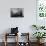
pixel 41 8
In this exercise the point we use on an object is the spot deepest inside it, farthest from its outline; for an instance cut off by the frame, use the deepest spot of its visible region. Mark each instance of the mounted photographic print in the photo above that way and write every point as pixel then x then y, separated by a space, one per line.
pixel 17 12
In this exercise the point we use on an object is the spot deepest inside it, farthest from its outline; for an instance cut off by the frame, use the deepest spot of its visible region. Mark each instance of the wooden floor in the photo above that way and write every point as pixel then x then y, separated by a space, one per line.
pixel 13 44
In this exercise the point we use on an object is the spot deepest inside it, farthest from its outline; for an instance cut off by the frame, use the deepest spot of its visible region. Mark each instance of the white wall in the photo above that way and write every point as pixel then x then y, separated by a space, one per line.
pixel 23 23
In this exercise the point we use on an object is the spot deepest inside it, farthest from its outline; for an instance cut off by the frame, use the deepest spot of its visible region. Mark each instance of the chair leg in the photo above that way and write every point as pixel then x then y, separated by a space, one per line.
pixel 5 40
pixel 5 43
pixel 17 39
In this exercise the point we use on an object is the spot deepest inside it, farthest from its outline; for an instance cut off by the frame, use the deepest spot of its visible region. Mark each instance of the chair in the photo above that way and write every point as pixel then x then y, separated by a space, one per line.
pixel 25 43
pixel 7 35
pixel 14 32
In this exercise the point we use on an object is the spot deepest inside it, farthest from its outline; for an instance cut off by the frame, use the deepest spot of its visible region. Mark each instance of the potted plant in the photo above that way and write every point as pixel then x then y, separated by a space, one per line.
pixel 39 35
pixel 42 27
pixel 35 26
pixel 38 27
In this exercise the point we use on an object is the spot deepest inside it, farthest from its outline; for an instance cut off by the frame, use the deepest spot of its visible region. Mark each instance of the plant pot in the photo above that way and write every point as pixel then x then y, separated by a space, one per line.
pixel 40 41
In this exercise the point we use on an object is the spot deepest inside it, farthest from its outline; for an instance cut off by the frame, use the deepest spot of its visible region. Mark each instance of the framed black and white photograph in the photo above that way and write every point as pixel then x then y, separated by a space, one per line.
pixel 17 12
